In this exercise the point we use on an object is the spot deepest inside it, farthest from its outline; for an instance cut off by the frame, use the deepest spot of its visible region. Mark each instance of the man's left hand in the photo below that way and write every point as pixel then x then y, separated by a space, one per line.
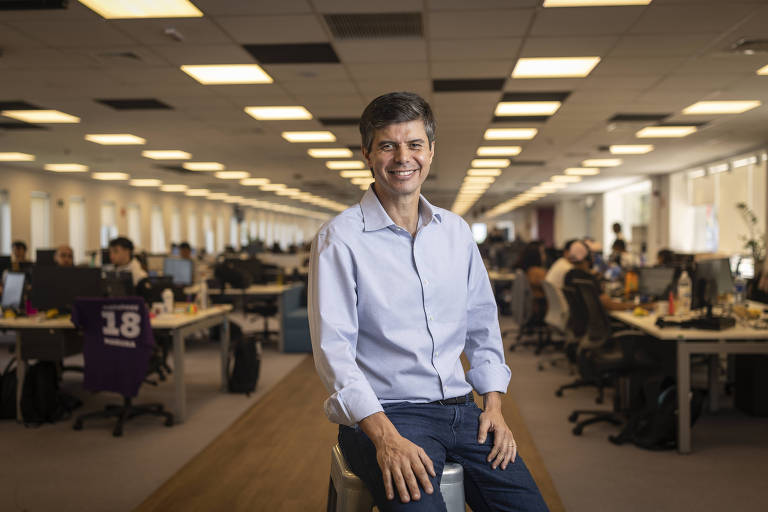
pixel 504 448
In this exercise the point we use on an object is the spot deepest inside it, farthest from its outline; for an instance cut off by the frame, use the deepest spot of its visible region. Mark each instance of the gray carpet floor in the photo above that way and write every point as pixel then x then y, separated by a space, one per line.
pixel 726 471
pixel 53 467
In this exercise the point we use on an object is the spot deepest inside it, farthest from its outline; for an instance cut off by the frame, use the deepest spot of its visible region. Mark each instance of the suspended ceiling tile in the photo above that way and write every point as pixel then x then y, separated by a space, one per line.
pixel 274 29
pixel 403 50
pixel 478 23
pixel 589 21
pixel 472 49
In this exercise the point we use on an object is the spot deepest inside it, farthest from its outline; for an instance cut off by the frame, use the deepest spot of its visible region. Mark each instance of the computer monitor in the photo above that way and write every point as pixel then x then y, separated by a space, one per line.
pixel 118 284
pixel 105 259
pixel 57 287
pixel 45 257
pixel 155 264
pixel 179 269
pixel 151 288
pixel 13 290
pixel 711 279
pixel 656 282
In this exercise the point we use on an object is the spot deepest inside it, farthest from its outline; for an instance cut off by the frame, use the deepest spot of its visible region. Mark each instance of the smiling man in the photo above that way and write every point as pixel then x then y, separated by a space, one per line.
pixel 397 292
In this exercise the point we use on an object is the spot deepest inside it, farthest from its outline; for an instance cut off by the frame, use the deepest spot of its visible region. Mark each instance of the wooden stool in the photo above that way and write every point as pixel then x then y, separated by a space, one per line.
pixel 347 493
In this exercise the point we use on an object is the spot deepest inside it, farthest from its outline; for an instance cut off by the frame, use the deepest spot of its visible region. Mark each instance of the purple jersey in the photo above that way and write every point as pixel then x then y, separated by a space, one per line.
pixel 117 343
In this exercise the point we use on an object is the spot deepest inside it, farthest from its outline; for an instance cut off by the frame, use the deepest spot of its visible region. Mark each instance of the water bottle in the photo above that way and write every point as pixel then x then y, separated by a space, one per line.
pixel 167 296
pixel 684 292
pixel 202 294
pixel 740 288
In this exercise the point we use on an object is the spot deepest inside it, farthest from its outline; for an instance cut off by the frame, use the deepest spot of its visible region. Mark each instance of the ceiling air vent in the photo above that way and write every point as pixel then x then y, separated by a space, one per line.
pixel 24 5
pixel 375 25
pixel 749 46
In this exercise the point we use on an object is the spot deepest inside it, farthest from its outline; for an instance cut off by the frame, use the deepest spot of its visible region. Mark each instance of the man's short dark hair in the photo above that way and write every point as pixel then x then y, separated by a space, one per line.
pixel 569 243
pixel 616 228
pixel 619 245
pixel 123 242
pixel 665 256
pixel 20 244
pixel 185 245
pixel 392 108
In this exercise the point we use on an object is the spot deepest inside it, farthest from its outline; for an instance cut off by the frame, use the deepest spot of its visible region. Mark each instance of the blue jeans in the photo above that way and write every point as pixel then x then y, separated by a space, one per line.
pixel 446 433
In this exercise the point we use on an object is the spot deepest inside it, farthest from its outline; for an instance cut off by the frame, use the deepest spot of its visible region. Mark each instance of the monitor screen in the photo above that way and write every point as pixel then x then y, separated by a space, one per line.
pixel 656 282
pixel 45 257
pixel 711 279
pixel 13 290
pixel 179 269
pixel 57 287
pixel 155 263
pixel 118 284
pixel 105 259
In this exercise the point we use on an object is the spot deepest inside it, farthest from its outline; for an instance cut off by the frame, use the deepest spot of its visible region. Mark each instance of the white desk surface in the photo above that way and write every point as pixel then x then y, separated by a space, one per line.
pixel 164 321
pixel 493 275
pixel 255 289
pixel 648 325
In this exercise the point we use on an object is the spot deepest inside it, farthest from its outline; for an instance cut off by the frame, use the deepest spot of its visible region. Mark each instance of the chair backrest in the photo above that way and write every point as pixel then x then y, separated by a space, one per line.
pixel 521 302
pixel 577 320
pixel 557 307
pixel 598 324
pixel 117 342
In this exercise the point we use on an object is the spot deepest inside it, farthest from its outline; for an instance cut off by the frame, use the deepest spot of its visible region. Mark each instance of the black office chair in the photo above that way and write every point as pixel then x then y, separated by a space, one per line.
pixel 607 358
pixel 117 343
pixel 528 323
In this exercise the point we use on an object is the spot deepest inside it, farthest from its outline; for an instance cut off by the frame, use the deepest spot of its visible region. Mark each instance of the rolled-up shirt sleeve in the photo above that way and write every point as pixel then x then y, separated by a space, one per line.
pixel 483 346
pixel 333 327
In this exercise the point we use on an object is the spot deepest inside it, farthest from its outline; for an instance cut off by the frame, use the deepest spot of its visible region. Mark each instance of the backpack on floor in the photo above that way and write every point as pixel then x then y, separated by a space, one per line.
pixel 41 399
pixel 8 391
pixel 654 426
pixel 247 362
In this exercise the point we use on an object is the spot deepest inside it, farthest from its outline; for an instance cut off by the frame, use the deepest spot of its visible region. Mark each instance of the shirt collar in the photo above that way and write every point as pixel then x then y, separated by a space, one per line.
pixel 375 217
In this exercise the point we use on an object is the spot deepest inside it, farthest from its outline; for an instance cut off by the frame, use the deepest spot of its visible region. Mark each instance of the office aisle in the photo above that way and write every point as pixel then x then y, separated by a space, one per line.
pixel 276 456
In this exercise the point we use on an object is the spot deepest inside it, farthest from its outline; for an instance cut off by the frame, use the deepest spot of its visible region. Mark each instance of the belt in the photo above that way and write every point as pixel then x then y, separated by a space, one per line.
pixel 459 400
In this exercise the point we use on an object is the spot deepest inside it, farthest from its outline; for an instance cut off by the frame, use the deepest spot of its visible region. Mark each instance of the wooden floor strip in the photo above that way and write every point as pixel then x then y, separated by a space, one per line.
pixel 276 456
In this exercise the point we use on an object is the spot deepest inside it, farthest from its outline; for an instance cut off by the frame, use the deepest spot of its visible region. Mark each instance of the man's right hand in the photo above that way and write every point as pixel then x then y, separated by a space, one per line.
pixel 404 465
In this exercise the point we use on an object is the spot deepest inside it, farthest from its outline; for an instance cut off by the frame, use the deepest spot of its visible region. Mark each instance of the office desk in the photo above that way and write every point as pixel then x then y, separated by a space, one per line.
pixel 179 326
pixel 494 275
pixel 258 291
pixel 736 340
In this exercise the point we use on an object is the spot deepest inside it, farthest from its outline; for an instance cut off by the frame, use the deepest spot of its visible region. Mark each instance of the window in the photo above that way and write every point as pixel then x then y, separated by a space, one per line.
pixel 208 233
pixel 39 222
pixel 220 233
pixel 5 223
pixel 192 230
pixel 134 225
pixel 77 235
pixel 233 232
pixel 157 231
pixel 108 229
pixel 479 231
pixel 176 226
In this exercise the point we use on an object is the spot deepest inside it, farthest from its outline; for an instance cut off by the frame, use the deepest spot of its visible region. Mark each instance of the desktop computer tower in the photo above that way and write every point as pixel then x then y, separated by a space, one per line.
pixel 751 390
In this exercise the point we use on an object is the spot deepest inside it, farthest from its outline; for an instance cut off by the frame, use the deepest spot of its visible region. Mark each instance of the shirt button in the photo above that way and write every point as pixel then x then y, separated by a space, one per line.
pixel 426 282
pixel 430 317
pixel 437 353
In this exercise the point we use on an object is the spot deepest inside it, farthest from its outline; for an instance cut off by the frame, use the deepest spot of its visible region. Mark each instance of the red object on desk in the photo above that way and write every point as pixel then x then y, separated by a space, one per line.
pixel 671 303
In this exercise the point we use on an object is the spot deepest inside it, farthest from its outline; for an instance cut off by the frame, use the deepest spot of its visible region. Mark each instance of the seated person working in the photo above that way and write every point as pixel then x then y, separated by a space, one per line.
pixel 121 256
pixel 581 259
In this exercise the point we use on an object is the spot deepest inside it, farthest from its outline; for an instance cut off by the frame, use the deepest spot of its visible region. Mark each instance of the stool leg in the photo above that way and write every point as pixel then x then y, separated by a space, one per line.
pixel 332 497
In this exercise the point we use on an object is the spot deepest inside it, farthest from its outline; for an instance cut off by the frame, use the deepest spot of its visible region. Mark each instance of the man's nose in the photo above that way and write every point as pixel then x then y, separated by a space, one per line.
pixel 402 154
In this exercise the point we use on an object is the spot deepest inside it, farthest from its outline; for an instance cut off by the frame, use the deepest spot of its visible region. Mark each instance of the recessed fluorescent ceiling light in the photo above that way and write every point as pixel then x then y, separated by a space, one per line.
pixel 232 175
pixel 40 116
pixel 166 154
pixel 228 74
pixel 330 153
pixel 479 179
pixel 278 113
pixel 490 162
pixel 174 188
pixel 650 132
pixel 697 173
pixel 582 171
pixel 354 174
pixel 631 149
pixel 66 167
pixel 593 3
pixel 203 166
pixel 198 192
pixel 120 9
pixel 145 183
pixel 721 107
pixel 498 150
pixel 526 108
pixel 218 196
pixel 16 157
pixel 484 172
pixel 763 70
pixel 272 187
pixel 110 176
pixel 109 139
pixel 254 182
pixel 309 136
pixel 338 165
pixel 742 162
pixel 510 133
pixel 362 181
pixel 717 169
pixel 602 162
pixel 554 67
pixel 290 192
pixel 565 179
pixel 233 199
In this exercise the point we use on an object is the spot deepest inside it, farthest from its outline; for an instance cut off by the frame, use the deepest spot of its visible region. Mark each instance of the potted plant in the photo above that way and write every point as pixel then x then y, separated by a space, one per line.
pixel 754 242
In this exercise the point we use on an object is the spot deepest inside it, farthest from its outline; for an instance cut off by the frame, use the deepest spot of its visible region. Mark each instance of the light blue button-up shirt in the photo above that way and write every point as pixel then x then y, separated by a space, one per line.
pixel 390 314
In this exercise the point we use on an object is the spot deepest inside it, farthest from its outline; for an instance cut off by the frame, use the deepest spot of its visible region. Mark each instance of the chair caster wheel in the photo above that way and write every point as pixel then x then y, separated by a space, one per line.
pixel 577 431
pixel 559 392
pixel 169 422
pixel 573 417
pixel 78 425
pixel 541 367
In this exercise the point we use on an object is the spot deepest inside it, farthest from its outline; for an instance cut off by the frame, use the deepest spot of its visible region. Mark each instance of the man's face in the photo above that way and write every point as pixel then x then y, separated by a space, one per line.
pixel 19 253
pixel 185 253
pixel 64 257
pixel 400 157
pixel 119 255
